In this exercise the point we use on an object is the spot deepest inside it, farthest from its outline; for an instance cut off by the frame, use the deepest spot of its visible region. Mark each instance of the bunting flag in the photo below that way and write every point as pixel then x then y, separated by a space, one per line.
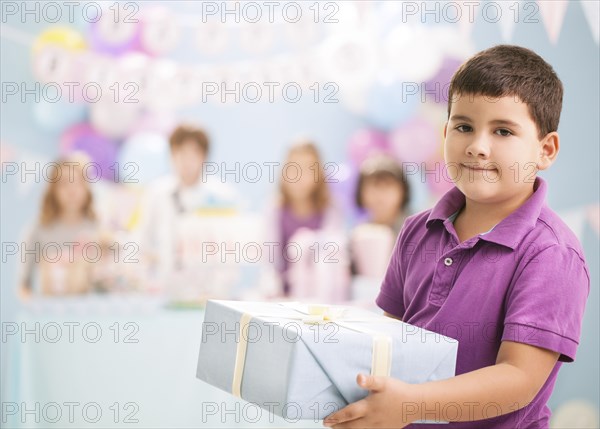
pixel 575 219
pixel 593 217
pixel 510 14
pixel 591 9
pixel 468 16
pixel 553 14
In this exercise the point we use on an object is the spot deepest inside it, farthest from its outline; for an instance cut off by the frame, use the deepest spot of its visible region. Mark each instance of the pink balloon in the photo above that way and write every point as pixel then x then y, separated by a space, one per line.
pixel 101 150
pixel 367 142
pixel 415 141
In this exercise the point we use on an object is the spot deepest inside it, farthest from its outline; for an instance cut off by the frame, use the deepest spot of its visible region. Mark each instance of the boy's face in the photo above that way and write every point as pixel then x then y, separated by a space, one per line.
pixel 188 158
pixel 492 149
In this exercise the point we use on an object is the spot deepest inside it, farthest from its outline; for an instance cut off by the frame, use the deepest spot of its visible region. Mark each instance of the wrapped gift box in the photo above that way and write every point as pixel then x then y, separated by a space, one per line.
pixel 301 361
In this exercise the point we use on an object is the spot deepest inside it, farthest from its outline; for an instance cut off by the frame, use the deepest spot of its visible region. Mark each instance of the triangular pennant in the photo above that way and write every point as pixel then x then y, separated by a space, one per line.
pixel 591 9
pixel 509 13
pixel 468 14
pixel 593 217
pixel 575 220
pixel 553 14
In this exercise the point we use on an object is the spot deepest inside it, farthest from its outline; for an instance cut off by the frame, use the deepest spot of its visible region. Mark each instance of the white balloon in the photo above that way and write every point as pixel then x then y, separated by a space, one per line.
pixel 452 43
pixel 160 32
pixel 350 59
pixel 256 38
pixel 161 86
pixel 411 52
pixel 98 69
pixel 116 26
pixel 302 33
pixel 132 71
pixel 53 64
pixel 212 37
pixel 114 120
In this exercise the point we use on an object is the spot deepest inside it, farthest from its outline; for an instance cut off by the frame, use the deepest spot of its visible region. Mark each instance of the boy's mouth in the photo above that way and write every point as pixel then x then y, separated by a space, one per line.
pixel 477 167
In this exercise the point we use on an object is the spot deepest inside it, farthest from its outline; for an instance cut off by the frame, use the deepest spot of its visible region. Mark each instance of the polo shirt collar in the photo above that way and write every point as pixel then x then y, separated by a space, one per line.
pixel 510 231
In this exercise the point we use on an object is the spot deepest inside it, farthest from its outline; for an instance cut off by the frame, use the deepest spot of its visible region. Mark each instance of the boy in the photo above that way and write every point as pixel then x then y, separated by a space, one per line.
pixel 490 265
pixel 170 197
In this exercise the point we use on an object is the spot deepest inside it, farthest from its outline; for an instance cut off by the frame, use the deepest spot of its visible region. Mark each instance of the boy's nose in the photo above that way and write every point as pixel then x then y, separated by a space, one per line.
pixel 478 147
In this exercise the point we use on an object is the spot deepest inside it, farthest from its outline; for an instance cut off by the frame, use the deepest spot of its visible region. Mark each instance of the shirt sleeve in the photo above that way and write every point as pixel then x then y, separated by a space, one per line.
pixel 391 294
pixel 545 303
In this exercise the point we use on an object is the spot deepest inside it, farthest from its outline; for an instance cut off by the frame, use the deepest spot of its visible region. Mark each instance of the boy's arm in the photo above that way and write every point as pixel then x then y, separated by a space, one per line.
pixel 512 383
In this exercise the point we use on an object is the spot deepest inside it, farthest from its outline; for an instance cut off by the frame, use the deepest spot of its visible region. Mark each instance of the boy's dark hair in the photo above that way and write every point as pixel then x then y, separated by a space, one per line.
pixel 508 70
pixel 189 133
pixel 381 167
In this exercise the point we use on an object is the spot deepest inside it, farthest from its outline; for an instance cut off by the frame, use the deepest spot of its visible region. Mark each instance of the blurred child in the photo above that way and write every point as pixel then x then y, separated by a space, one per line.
pixel 173 196
pixel 64 242
pixel 384 193
pixel 308 230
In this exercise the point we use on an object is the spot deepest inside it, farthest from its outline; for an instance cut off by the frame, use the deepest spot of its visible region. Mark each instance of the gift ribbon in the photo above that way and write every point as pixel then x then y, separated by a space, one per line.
pixel 381 355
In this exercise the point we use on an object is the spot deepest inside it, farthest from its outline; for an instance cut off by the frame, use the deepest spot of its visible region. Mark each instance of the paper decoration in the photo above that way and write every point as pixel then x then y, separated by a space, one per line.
pixel 510 13
pixel 411 52
pixel 591 9
pixel 553 15
pixel 575 220
pixel 593 217
pixel 466 22
pixel 160 31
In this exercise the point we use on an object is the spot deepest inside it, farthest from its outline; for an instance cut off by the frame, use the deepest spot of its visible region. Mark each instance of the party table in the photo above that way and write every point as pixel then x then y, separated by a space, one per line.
pixel 114 361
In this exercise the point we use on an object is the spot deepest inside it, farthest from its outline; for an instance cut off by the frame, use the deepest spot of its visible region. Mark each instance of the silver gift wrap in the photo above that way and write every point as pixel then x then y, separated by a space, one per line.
pixel 301 370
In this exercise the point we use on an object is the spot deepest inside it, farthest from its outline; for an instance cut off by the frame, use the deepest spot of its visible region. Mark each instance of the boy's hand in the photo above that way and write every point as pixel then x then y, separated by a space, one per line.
pixel 383 408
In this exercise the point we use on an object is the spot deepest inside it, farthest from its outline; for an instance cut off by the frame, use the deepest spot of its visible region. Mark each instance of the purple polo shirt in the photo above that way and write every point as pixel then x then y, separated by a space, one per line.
pixel 525 280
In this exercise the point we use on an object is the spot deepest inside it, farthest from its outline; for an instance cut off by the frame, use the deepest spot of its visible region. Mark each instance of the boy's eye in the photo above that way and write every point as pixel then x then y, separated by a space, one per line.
pixel 503 132
pixel 464 128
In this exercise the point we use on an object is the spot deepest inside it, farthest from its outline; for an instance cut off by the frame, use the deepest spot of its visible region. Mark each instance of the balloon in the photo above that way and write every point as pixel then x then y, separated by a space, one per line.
pixel 144 157
pixel 415 141
pixel 58 116
pixel 366 142
pixel 345 188
pixel 163 86
pixel 350 59
pixel 115 35
pixel 160 32
pixel 440 83
pixel 162 124
pixel 53 63
pixel 411 53
pixel 112 119
pixel 391 104
pixel 212 37
pixel 101 150
pixel 256 38
pixel 63 37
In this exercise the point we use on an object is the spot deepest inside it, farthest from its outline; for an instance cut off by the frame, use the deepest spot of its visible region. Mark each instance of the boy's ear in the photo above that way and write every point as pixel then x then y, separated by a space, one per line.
pixel 445 128
pixel 549 147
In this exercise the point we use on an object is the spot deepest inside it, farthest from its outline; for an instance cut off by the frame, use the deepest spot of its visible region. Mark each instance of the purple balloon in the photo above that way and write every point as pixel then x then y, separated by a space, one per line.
pixel 131 37
pixel 367 142
pixel 100 150
pixel 440 83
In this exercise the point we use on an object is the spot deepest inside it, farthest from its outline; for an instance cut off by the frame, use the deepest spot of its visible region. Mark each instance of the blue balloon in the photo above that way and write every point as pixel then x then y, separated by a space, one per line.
pixel 58 116
pixel 389 105
pixel 144 157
